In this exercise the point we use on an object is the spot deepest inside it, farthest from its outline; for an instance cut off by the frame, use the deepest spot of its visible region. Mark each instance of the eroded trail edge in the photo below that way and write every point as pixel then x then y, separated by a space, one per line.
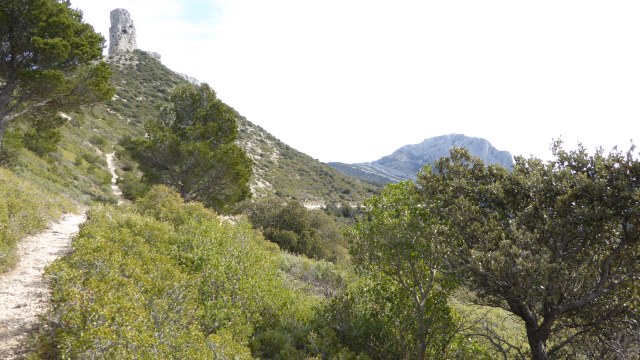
pixel 24 292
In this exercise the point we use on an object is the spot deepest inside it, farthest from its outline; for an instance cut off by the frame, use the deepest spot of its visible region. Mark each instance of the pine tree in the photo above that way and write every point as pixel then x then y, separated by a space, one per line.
pixel 48 60
pixel 191 147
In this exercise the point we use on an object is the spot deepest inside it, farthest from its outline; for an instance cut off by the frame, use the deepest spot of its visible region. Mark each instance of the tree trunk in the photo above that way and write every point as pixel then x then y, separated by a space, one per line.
pixel 422 350
pixel 3 128
pixel 422 319
pixel 538 345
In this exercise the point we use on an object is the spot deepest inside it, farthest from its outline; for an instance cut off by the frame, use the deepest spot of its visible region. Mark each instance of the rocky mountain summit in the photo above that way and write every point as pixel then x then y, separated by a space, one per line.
pixel 122 41
pixel 122 33
pixel 406 162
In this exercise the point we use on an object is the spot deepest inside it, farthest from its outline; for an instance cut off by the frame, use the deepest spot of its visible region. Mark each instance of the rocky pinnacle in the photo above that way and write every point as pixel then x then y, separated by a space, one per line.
pixel 122 33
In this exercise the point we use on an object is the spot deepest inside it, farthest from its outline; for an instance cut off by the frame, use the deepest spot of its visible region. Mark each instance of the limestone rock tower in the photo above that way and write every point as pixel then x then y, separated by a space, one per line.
pixel 122 33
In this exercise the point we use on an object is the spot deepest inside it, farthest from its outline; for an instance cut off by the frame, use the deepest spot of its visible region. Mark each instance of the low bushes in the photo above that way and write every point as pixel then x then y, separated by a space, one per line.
pixel 298 230
pixel 165 279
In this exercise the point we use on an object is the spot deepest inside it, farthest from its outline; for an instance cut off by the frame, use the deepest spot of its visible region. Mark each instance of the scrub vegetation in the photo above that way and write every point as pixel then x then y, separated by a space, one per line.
pixel 470 261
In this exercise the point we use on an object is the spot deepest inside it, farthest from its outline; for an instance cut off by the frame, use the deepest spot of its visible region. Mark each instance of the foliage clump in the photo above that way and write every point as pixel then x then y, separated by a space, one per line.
pixel 167 279
pixel 298 230
pixel 191 147
pixel 556 244
pixel 400 306
pixel 49 62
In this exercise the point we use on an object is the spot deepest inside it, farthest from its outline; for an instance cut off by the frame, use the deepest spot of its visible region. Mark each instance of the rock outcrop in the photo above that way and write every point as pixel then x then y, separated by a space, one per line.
pixel 122 33
pixel 154 55
pixel 190 79
pixel 409 159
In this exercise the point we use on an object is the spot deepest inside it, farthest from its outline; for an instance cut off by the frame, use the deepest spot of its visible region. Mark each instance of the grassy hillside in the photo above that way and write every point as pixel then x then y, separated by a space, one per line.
pixel 24 209
pixel 281 170
pixel 268 318
pixel 143 83
pixel 36 189
pixel 203 288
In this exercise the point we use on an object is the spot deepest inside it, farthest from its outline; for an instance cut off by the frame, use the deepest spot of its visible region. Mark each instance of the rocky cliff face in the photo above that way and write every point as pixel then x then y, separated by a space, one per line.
pixel 406 162
pixel 122 33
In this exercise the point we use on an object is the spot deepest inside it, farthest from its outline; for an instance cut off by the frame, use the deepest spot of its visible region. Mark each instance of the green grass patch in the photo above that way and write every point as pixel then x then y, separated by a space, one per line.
pixel 319 277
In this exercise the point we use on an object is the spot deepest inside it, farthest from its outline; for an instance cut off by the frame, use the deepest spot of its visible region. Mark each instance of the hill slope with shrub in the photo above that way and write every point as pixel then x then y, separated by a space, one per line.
pixel 143 84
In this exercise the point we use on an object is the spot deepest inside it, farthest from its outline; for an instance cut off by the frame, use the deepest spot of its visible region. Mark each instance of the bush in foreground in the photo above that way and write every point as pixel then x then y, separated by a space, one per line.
pixel 166 279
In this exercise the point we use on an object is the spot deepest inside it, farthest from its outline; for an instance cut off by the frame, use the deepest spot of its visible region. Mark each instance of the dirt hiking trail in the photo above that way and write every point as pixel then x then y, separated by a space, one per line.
pixel 24 292
pixel 114 178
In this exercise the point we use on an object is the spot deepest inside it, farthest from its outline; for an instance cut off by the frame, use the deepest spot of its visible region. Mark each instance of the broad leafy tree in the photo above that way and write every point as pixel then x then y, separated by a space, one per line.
pixel 399 239
pixel 48 60
pixel 555 243
pixel 191 147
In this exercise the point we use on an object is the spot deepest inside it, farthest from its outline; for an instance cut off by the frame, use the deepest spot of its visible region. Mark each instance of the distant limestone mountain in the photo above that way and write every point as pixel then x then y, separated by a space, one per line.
pixel 406 162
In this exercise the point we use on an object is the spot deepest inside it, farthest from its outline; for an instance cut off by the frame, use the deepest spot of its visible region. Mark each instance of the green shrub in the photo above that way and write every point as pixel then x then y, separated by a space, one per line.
pixel 298 230
pixel 319 277
pixel 167 279
pixel 99 142
pixel 117 296
pixel 132 186
pixel 371 317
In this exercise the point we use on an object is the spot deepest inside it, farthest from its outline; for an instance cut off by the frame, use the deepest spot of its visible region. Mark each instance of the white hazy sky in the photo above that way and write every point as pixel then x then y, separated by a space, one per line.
pixel 353 80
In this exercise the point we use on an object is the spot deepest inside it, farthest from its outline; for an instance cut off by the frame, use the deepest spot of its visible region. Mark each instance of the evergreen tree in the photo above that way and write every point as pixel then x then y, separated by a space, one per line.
pixel 191 147
pixel 399 242
pixel 47 60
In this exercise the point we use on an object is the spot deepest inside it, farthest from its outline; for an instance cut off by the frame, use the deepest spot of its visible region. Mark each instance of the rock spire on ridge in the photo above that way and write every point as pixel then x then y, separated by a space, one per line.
pixel 122 33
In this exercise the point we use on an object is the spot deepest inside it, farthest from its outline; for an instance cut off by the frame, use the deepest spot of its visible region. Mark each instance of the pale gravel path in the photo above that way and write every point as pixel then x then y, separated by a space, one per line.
pixel 114 178
pixel 24 292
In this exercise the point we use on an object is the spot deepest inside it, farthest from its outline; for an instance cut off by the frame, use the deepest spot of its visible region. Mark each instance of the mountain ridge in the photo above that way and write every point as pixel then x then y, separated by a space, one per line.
pixel 406 162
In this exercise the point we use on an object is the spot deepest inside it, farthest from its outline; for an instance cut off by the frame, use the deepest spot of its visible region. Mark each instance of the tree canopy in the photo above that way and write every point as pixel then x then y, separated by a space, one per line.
pixel 399 242
pixel 556 243
pixel 48 60
pixel 191 147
